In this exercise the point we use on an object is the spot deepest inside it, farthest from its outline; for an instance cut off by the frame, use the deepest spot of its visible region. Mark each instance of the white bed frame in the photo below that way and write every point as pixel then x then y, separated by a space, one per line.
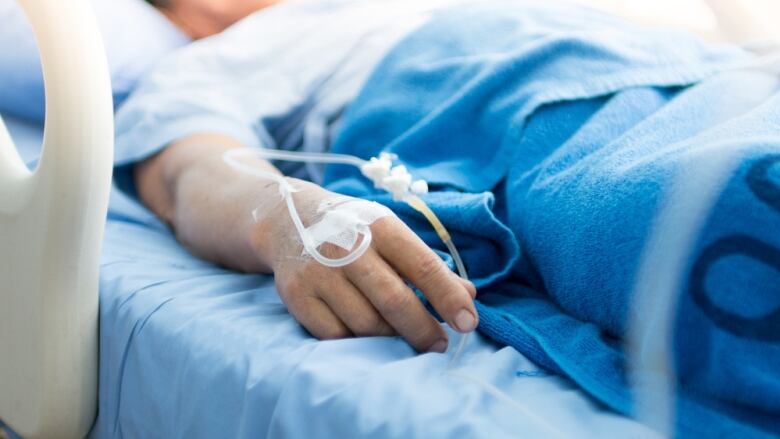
pixel 51 227
pixel 52 220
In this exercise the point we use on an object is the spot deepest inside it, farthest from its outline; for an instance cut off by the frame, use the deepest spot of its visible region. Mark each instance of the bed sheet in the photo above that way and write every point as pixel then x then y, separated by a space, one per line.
pixel 192 350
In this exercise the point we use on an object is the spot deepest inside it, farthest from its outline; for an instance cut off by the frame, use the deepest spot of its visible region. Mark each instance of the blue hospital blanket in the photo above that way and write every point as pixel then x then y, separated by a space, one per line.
pixel 552 137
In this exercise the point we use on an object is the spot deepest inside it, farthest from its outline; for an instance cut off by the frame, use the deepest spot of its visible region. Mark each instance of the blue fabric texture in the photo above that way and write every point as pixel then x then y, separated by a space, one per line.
pixel 552 137
pixel 191 350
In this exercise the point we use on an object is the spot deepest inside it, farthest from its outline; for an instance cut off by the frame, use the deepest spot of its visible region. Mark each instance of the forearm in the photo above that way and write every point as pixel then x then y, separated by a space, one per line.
pixel 210 207
pixel 207 203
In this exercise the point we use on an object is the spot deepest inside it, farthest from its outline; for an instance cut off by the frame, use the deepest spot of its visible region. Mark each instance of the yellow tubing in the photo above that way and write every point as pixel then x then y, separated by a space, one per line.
pixel 421 206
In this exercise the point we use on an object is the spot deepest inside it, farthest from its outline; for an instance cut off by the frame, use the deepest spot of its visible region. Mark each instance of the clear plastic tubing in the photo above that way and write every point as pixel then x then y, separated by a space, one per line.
pixel 298 156
pixel 232 157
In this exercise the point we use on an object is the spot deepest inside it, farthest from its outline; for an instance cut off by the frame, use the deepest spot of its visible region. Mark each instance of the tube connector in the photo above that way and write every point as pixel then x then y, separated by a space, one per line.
pixel 394 179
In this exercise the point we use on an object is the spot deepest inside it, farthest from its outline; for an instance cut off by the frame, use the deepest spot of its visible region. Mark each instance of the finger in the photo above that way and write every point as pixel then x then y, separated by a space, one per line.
pixel 317 317
pixel 472 290
pixel 353 308
pixel 396 302
pixel 405 251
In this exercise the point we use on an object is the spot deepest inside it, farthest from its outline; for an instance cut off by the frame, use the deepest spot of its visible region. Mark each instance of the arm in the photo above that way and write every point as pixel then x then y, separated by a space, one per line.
pixel 208 205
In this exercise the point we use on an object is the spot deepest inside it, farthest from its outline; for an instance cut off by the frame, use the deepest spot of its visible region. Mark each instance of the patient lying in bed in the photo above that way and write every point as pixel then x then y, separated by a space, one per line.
pixel 551 140
pixel 209 205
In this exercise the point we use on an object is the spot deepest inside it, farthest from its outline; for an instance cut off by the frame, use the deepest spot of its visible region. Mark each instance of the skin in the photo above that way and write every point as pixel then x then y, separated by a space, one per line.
pixel 203 18
pixel 208 205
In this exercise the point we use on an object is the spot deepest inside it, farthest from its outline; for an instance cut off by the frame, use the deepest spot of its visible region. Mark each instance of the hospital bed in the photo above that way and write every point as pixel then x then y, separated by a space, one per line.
pixel 188 349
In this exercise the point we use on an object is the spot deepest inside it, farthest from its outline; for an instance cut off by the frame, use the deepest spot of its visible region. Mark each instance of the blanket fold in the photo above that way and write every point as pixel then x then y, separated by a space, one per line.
pixel 554 138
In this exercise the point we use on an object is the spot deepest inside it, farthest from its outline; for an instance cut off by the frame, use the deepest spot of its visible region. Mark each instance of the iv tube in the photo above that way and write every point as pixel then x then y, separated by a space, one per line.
pixel 387 178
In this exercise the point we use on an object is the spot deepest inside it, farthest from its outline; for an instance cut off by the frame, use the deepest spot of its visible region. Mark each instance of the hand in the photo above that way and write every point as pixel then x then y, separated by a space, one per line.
pixel 207 203
pixel 369 296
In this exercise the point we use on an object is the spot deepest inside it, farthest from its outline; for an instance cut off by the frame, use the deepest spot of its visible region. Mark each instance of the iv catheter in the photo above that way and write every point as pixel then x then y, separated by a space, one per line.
pixel 395 180
pixel 380 170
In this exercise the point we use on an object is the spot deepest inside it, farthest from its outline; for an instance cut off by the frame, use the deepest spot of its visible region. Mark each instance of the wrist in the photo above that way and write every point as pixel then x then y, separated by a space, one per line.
pixel 273 234
pixel 270 232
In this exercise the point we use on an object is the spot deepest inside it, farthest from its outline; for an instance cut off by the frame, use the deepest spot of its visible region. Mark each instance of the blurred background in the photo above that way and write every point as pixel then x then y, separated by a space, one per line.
pixel 738 21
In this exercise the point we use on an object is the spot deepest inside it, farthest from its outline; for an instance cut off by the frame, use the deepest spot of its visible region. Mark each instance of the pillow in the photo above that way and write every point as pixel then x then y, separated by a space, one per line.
pixel 135 36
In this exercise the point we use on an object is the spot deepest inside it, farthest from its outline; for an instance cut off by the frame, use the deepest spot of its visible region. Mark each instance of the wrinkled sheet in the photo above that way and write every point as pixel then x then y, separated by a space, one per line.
pixel 191 350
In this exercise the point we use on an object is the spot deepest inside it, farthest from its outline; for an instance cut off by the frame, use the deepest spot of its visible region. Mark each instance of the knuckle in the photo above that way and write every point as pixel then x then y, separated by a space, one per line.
pixel 289 286
pixel 332 251
pixel 429 270
pixel 362 268
pixel 395 302
pixel 388 227
pixel 375 282
pixel 383 225
pixel 311 268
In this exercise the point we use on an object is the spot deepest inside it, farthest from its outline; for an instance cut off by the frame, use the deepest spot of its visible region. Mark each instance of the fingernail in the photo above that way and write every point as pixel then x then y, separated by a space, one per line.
pixel 440 346
pixel 465 321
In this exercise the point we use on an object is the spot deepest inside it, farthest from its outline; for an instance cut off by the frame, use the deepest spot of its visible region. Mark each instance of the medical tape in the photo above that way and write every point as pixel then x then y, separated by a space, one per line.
pixel 342 220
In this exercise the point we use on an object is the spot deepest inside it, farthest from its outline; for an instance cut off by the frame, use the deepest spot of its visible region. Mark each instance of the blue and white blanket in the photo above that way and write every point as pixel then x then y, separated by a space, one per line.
pixel 554 139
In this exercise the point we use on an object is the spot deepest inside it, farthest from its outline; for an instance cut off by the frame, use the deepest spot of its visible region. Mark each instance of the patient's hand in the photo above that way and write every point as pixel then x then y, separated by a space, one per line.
pixel 209 205
pixel 368 296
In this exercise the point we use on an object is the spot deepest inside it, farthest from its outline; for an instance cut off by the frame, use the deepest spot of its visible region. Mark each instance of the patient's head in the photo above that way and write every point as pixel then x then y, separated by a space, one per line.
pixel 202 18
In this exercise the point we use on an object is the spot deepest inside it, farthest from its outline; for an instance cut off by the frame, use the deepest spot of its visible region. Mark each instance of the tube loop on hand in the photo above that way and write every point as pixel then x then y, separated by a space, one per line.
pixel 310 245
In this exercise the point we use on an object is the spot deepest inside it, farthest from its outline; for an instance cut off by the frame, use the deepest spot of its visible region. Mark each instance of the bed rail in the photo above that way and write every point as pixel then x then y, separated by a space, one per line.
pixel 51 226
